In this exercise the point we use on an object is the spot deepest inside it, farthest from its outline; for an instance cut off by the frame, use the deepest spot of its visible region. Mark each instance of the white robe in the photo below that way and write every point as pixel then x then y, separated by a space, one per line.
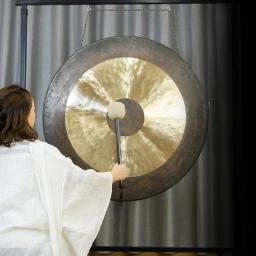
pixel 48 205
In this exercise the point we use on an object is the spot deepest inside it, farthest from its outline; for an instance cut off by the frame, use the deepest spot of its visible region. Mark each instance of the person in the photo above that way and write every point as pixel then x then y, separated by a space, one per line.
pixel 48 205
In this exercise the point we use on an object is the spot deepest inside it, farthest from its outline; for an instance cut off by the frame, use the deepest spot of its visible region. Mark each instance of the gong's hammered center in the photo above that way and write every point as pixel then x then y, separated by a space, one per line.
pixel 133 120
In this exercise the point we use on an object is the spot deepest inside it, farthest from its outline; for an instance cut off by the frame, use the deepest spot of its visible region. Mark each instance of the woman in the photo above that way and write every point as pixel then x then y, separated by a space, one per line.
pixel 48 205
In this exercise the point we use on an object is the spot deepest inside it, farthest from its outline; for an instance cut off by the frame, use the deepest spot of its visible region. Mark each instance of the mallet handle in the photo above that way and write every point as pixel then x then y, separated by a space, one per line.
pixel 118 149
pixel 118 141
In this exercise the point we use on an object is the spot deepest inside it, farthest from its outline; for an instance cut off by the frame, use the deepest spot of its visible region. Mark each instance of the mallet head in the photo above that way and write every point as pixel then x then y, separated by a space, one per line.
pixel 116 110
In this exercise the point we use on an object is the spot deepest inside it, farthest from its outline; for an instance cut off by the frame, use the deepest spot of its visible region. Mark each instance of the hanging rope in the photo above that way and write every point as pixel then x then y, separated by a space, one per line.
pixel 85 25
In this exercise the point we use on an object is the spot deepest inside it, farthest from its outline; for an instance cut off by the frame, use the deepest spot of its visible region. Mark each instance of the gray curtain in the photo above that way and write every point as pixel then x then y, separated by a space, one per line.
pixel 196 212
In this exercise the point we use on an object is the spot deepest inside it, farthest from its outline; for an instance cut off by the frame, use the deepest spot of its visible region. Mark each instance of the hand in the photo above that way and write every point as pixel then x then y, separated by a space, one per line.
pixel 120 172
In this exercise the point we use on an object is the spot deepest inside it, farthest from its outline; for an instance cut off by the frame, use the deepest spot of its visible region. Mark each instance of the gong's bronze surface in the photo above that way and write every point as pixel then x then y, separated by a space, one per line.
pixel 153 125
pixel 166 112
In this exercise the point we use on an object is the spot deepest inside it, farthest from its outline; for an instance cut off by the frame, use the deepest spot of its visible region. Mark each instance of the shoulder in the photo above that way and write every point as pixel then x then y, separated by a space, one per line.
pixel 50 149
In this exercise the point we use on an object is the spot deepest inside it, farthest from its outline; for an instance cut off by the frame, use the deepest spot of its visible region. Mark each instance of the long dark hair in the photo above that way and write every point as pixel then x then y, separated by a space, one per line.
pixel 15 106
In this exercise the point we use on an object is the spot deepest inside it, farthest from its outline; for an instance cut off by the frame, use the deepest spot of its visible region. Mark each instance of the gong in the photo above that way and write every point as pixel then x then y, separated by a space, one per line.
pixel 166 113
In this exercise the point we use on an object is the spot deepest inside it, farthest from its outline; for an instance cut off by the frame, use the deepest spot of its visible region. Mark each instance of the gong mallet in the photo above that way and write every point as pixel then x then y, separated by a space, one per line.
pixel 116 111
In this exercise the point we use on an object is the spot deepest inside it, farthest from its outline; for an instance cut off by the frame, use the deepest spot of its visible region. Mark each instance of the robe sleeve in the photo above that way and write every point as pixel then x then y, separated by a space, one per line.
pixel 87 195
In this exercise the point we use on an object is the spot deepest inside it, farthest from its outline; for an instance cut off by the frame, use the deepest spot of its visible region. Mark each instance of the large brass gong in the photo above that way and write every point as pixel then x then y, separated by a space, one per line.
pixel 166 113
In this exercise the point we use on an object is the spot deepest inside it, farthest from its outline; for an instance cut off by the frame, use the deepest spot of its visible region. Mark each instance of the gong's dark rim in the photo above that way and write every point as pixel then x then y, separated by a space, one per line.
pixel 188 151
